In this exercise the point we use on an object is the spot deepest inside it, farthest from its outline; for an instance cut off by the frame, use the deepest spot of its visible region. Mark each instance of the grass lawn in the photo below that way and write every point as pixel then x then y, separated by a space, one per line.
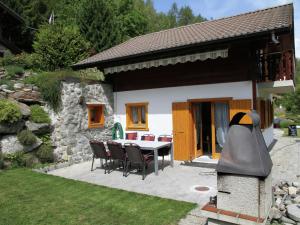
pixel 29 198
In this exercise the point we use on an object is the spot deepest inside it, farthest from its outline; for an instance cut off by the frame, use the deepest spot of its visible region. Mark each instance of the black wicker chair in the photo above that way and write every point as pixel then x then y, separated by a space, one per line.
pixel 166 150
pixel 117 153
pixel 135 157
pixel 99 152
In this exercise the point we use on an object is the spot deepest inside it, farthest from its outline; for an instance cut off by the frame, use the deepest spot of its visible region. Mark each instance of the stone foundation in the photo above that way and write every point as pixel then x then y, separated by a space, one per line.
pixel 71 134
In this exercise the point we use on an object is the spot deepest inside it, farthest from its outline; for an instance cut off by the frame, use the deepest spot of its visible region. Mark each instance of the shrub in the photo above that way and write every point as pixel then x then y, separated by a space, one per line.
pixel 25 60
pixel 285 123
pixel 30 160
pixel 12 70
pixel 26 137
pixel 59 46
pixel 9 112
pixel 1 161
pixel 38 115
pixel 45 153
pixel 16 159
pixel 7 82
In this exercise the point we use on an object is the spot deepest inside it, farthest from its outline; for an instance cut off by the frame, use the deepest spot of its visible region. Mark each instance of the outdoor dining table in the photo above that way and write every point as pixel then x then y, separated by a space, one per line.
pixel 151 146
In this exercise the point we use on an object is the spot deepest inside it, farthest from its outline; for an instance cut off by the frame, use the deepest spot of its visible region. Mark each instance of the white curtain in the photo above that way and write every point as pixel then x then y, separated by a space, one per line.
pixel 221 122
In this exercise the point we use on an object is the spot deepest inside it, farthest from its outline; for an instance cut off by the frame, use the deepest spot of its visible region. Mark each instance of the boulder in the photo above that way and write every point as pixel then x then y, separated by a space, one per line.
pixel 26 96
pixel 297 200
pixel 38 128
pixel 11 128
pixel 293 212
pixel 292 191
pixel 296 184
pixel 275 213
pixel 10 144
pixel 25 109
pixel 3 86
pixel 18 86
pixel 287 220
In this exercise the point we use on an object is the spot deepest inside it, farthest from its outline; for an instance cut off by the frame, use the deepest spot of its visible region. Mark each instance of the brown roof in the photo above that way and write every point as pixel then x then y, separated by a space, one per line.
pixel 235 26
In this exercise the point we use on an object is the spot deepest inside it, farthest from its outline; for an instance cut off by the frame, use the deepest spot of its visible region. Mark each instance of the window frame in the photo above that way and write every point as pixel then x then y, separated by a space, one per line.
pixel 139 126
pixel 101 123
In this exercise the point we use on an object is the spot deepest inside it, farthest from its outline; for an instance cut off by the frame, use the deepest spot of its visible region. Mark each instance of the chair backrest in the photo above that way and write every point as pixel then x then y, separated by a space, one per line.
pixel 165 138
pixel 148 137
pixel 134 153
pixel 98 149
pixel 116 150
pixel 131 136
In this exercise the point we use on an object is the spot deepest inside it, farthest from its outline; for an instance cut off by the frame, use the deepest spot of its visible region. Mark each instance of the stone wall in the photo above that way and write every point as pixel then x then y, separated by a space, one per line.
pixel 71 134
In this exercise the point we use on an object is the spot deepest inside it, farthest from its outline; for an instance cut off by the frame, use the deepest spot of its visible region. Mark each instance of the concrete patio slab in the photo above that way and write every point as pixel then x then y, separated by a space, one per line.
pixel 176 183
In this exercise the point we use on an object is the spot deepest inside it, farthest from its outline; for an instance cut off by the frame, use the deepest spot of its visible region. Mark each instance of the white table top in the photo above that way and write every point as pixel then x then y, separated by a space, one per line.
pixel 147 145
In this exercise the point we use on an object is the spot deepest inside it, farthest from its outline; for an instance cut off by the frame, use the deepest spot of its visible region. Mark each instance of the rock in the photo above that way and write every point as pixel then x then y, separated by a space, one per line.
pixel 275 213
pixel 38 128
pixel 27 96
pixel 279 191
pixel 18 86
pixel 10 144
pixel 297 200
pixel 296 184
pixel 287 220
pixel 292 191
pixel 285 189
pixel 281 207
pixel 11 128
pixel 8 91
pixel 278 201
pixel 288 202
pixel 293 212
pixel 35 88
pixel 25 109
pixel 3 86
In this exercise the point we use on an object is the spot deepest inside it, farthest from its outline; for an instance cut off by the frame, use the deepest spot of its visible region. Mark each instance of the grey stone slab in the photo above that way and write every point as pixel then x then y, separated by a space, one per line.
pixel 293 212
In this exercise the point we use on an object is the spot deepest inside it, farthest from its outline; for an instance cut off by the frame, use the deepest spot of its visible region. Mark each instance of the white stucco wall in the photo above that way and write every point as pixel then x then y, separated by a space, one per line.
pixel 160 101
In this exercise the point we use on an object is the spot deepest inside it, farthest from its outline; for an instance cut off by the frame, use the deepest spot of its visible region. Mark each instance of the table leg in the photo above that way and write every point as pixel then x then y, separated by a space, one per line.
pixel 172 155
pixel 156 162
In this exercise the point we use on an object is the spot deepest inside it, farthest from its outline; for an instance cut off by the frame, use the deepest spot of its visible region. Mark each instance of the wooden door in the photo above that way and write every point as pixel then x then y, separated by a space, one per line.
pixel 182 131
pixel 241 105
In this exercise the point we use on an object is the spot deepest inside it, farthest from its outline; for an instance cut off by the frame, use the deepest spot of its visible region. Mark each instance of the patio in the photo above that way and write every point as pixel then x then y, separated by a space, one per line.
pixel 176 183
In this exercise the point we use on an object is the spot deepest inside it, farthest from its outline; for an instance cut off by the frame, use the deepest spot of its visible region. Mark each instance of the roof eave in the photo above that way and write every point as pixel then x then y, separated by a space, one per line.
pixel 217 41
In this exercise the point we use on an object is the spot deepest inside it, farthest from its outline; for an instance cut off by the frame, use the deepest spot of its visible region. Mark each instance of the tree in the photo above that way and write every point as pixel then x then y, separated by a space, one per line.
pixel 186 16
pixel 57 46
pixel 98 23
pixel 131 20
pixel 173 15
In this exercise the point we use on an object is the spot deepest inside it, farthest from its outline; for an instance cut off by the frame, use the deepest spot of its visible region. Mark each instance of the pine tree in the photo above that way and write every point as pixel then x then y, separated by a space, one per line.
pixel 98 23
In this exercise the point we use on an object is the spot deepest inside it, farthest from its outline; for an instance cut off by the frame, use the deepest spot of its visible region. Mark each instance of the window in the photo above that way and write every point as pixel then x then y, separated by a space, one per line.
pixel 137 116
pixel 95 115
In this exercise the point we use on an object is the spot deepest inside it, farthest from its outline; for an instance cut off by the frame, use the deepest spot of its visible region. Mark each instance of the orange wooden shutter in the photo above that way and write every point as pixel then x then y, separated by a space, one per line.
pixel 241 105
pixel 182 131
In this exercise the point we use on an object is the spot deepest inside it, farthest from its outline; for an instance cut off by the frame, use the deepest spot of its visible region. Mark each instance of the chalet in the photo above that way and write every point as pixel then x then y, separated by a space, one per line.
pixel 189 81
pixel 10 30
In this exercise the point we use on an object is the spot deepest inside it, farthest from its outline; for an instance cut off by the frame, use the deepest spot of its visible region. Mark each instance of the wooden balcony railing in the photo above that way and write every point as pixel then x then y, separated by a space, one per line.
pixel 276 66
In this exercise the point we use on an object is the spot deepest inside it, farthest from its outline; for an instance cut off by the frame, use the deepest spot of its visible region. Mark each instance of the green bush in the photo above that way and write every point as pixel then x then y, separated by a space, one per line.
pixel 59 46
pixel 45 153
pixel 26 137
pixel 9 112
pixel 1 161
pixel 16 159
pixel 25 60
pixel 13 70
pixel 7 82
pixel 38 115
pixel 285 123
pixel 30 160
